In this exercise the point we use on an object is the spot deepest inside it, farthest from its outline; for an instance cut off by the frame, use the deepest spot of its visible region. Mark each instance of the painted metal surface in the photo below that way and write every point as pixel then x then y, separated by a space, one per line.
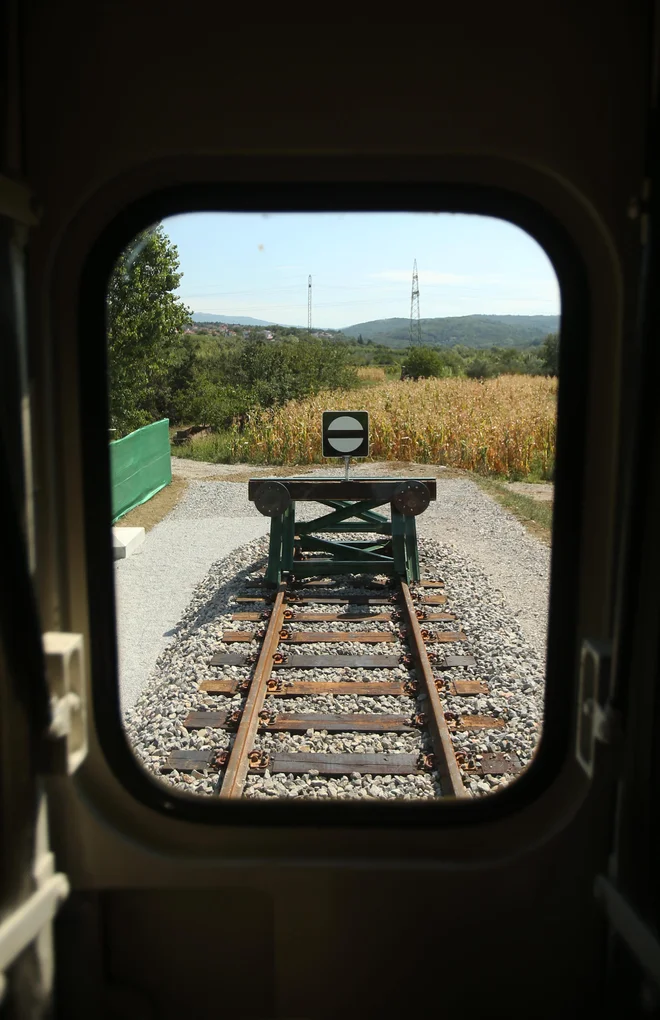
pixel 391 549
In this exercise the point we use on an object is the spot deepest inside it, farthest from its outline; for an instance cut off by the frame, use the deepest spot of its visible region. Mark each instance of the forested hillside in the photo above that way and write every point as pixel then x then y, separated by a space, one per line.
pixel 163 365
pixel 241 320
pixel 466 330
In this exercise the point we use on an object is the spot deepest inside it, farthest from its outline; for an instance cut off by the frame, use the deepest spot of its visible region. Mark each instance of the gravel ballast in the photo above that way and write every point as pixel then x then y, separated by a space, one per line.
pixel 496 581
pixel 155 585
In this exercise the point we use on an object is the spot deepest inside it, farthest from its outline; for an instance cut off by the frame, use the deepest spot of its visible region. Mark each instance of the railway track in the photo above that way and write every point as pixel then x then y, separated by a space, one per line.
pixel 424 646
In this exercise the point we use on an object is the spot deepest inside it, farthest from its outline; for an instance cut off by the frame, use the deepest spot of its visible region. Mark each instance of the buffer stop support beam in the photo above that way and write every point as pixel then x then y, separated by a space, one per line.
pixel 391 548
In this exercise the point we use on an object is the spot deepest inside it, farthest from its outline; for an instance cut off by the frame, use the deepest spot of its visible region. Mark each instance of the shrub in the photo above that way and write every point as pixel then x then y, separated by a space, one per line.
pixel 422 363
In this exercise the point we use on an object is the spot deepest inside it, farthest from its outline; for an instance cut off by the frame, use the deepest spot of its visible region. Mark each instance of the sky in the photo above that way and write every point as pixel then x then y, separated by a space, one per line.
pixel 258 264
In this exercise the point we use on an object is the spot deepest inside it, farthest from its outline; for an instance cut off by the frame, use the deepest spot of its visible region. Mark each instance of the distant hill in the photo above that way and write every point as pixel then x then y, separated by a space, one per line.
pixel 470 330
pixel 238 320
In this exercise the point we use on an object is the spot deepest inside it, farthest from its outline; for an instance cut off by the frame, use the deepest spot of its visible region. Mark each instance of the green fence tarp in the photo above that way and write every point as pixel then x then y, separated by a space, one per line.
pixel 140 465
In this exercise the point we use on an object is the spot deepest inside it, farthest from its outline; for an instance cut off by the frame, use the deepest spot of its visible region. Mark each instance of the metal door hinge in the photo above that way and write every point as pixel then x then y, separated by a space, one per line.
pixel 597 721
pixel 67 732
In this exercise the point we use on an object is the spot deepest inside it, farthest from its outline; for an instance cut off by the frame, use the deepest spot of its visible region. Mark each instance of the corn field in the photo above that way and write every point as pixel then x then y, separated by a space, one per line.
pixel 502 426
pixel 371 374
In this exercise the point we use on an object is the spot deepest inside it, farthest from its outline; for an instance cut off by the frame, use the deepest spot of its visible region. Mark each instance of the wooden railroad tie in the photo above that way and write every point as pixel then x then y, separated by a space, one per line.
pixel 464 688
pixel 305 688
pixel 473 722
pixel 340 600
pixel 294 722
pixel 376 689
pixel 189 760
pixel 339 764
pixel 316 582
pixel 293 617
pixel 302 763
pixel 224 686
pixel 340 661
pixel 444 637
pixel 310 637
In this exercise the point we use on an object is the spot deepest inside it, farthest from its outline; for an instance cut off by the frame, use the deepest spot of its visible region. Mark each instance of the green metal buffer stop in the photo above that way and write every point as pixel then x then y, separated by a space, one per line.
pixel 391 548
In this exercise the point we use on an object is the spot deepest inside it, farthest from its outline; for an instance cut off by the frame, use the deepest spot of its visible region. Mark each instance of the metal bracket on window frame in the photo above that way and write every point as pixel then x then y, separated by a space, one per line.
pixel 597 722
pixel 65 670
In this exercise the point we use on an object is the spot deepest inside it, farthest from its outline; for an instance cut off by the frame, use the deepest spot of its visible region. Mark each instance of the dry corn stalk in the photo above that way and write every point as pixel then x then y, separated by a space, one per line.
pixel 502 426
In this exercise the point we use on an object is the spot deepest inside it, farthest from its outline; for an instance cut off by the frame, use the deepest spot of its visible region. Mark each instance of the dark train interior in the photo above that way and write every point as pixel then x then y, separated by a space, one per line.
pixel 545 904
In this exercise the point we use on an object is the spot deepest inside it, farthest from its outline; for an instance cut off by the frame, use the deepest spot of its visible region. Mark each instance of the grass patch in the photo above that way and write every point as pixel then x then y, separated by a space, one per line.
pixel 535 516
pixel 215 449
pixel 158 507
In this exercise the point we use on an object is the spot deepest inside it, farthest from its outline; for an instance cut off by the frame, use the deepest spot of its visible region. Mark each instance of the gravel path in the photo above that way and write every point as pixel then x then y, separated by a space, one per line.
pixel 174 598
pixel 155 585
pixel 182 467
pixel 515 562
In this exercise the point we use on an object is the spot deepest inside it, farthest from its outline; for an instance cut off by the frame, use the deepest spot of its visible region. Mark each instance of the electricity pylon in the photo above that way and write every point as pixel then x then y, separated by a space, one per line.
pixel 415 321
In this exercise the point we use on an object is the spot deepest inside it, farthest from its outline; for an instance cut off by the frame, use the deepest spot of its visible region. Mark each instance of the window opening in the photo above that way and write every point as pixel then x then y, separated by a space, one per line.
pixel 405 660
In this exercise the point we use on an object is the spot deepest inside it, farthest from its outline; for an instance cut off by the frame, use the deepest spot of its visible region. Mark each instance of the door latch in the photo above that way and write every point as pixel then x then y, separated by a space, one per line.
pixel 597 721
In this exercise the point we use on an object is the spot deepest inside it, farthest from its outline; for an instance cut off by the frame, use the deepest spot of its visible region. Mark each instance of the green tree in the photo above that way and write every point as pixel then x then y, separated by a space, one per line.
pixel 422 363
pixel 550 354
pixel 480 368
pixel 145 323
pixel 451 361
pixel 294 368
pixel 223 381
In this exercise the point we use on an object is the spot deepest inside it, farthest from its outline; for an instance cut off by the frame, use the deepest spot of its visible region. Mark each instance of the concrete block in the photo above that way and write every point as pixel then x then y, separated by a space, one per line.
pixel 126 541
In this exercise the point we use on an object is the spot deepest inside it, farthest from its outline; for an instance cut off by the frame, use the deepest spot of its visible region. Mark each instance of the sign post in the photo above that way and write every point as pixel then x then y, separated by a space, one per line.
pixel 385 546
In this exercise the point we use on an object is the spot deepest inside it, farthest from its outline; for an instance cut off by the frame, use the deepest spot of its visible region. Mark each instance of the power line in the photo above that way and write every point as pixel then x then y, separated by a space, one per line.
pixel 415 321
pixel 309 304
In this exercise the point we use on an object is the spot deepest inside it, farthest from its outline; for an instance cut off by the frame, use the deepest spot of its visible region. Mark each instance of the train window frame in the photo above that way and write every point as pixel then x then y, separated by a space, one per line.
pixel 557 737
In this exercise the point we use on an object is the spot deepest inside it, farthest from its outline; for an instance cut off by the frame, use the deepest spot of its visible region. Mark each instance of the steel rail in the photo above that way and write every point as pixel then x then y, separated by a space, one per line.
pixel 445 764
pixel 238 763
